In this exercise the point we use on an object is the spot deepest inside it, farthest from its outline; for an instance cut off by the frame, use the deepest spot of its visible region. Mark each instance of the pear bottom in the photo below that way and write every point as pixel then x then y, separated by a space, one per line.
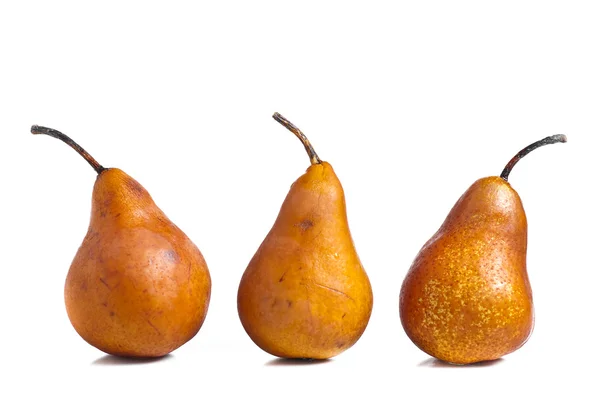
pixel 304 328
pixel 137 301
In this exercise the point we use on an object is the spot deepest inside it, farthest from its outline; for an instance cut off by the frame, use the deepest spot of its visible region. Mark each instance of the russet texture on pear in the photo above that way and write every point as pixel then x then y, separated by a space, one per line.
pixel 137 286
pixel 466 297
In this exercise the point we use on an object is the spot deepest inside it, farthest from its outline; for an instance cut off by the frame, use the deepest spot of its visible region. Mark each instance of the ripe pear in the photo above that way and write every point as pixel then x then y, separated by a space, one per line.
pixel 138 286
pixel 467 297
pixel 305 293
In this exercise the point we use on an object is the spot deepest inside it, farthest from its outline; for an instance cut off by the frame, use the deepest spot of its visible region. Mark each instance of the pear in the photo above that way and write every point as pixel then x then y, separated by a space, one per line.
pixel 467 297
pixel 305 293
pixel 138 286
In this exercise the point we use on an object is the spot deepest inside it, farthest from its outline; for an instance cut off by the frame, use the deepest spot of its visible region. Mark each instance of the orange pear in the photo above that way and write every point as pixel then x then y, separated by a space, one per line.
pixel 137 286
pixel 467 297
pixel 305 293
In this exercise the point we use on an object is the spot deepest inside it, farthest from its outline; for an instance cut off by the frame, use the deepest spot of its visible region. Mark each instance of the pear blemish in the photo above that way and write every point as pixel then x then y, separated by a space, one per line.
pixel 467 297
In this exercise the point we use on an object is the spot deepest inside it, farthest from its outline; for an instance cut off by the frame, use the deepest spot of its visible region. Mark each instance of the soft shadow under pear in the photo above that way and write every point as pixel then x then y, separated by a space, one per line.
pixel 296 362
pixel 120 360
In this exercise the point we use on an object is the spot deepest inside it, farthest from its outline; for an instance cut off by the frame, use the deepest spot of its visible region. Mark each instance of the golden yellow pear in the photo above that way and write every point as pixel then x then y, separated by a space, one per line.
pixel 305 293
pixel 137 286
pixel 467 297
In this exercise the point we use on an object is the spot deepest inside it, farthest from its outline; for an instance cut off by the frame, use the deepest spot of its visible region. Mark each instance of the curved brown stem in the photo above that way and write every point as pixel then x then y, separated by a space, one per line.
pixel 314 158
pixel 36 129
pixel 546 141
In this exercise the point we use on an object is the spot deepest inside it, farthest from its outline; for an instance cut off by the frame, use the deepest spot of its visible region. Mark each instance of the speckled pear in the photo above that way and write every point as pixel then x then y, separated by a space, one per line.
pixel 305 293
pixel 467 296
pixel 138 286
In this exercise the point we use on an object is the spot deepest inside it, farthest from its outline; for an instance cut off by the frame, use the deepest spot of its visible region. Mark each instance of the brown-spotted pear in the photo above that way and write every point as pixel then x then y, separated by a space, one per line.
pixel 466 297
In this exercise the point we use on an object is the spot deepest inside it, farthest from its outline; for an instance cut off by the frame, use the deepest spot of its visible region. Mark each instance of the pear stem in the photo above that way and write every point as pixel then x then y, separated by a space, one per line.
pixel 546 141
pixel 36 129
pixel 314 158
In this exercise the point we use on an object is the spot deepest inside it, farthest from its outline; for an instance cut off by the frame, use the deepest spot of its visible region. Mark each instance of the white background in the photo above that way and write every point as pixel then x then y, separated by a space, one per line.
pixel 410 101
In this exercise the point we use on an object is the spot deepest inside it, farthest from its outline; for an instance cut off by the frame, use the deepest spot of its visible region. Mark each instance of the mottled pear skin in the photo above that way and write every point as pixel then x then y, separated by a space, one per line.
pixel 305 293
pixel 466 297
pixel 138 286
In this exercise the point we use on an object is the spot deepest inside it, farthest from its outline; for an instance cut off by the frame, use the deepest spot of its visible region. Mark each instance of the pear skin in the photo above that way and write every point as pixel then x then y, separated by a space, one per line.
pixel 138 286
pixel 467 296
pixel 305 293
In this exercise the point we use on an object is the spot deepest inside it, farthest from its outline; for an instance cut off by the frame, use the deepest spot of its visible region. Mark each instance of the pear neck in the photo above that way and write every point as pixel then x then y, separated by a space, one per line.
pixel 116 194
pixel 488 202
